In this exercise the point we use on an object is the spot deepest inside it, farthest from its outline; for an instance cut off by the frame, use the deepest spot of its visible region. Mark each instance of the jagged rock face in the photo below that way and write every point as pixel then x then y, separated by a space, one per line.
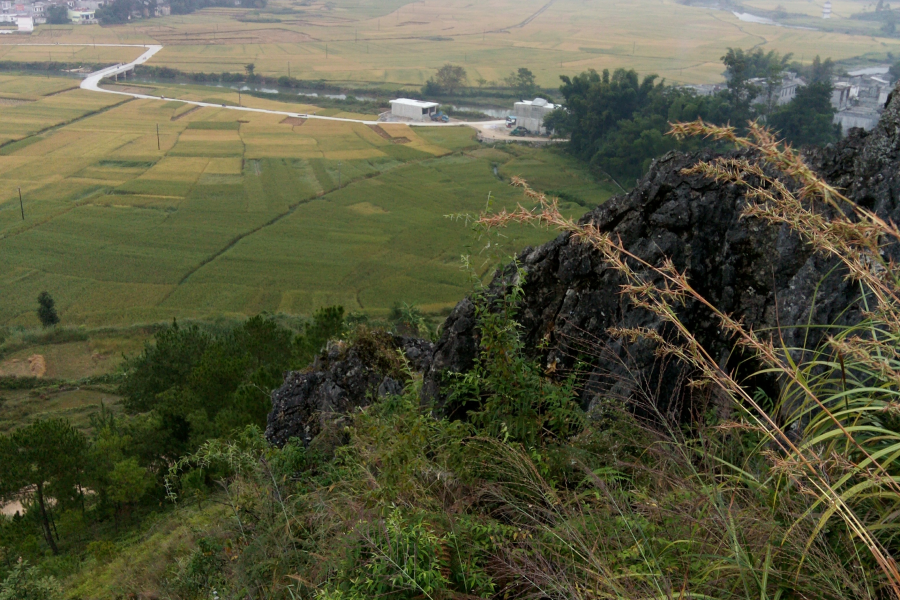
pixel 763 274
pixel 342 379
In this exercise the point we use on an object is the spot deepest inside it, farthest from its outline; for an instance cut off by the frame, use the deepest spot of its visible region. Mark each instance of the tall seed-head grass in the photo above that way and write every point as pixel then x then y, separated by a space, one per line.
pixel 847 455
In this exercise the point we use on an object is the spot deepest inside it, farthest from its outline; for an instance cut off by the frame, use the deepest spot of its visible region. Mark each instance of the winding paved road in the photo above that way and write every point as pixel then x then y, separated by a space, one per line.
pixel 92 83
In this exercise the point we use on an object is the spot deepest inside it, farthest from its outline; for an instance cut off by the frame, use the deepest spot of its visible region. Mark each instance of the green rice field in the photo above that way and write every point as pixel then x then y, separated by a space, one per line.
pixel 228 213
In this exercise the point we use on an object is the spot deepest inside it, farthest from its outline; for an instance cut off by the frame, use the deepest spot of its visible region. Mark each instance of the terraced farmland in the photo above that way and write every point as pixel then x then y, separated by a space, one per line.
pixel 237 213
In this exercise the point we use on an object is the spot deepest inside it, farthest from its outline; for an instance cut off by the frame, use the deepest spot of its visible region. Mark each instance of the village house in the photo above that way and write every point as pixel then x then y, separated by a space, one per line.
pixel 782 92
pixel 859 97
pixel 530 114
pixel 82 15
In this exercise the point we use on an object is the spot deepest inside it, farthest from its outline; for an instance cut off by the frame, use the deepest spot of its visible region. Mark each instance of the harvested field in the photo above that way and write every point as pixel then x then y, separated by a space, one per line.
pixel 233 36
pixel 400 42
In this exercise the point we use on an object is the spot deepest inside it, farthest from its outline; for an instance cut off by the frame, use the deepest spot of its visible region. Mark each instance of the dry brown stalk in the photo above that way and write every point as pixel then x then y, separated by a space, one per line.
pixel 852 234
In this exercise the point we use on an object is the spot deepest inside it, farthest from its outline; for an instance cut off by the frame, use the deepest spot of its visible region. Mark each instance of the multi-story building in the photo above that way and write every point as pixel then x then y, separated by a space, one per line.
pixel 82 15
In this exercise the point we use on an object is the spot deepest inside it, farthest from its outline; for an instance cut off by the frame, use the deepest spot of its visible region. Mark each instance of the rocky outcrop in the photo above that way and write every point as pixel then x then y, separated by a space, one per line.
pixel 343 378
pixel 762 274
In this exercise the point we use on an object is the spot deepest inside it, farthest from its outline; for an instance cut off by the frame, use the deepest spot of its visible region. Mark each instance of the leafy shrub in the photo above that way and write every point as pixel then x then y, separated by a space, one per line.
pixel 25 583
pixel 506 394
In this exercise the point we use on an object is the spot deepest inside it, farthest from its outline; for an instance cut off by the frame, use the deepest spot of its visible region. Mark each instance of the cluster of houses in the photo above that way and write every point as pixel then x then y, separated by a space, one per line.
pixel 527 114
pixel 80 12
pixel 858 99
pixel 859 96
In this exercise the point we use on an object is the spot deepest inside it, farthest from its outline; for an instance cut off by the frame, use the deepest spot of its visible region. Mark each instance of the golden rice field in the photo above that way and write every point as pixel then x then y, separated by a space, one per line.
pixel 399 42
pixel 230 213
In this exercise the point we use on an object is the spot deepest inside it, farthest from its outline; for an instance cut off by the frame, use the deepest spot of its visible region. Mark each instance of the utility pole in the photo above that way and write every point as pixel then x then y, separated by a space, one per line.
pixel 21 205
pixel 239 98
pixel 158 145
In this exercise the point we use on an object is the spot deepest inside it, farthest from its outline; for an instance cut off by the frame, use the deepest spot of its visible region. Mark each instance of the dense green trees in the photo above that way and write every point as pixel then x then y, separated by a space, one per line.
pixel 57 14
pixel 523 82
pixel 119 11
pixel 618 121
pixel 47 310
pixel 46 456
pixel 809 119
pixel 199 385
pixel 448 79
pixel 189 385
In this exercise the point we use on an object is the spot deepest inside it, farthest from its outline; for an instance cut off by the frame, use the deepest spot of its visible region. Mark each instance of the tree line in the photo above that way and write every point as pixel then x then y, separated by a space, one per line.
pixel 120 11
pixel 450 79
pixel 618 122
pixel 189 385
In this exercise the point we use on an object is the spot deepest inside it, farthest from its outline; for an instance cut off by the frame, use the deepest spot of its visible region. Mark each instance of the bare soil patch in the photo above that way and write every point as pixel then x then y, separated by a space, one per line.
pixel 294 121
pixel 13 101
pixel 384 134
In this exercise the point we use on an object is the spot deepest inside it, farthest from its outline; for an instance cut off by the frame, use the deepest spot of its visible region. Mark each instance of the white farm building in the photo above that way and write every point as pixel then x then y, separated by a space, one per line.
pixel 413 109
pixel 530 114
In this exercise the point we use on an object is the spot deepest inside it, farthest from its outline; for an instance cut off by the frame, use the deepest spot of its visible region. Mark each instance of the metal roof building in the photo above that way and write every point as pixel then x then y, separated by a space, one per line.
pixel 413 109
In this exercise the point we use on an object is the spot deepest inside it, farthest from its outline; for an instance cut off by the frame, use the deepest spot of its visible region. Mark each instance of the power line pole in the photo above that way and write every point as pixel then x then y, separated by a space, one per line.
pixel 239 98
pixel 158 145
pixel 21 205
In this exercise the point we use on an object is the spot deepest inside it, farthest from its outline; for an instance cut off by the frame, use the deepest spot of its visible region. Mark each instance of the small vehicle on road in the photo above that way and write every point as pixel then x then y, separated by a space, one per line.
pixel 440 116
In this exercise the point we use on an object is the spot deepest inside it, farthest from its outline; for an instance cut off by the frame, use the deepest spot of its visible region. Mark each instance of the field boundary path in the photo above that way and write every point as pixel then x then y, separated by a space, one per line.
pixel 92 83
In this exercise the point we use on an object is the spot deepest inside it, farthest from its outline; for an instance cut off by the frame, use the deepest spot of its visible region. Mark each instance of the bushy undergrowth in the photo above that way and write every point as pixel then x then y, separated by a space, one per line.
pixel 529 497
pixel 789 497
pixel 522 494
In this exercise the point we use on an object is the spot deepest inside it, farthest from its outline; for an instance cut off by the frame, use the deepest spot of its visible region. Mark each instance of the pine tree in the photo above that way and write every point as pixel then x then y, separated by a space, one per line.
pixel 47 310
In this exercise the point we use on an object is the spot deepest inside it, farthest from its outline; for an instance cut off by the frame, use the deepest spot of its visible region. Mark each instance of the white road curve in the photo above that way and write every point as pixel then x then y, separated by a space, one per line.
pixel 92 83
